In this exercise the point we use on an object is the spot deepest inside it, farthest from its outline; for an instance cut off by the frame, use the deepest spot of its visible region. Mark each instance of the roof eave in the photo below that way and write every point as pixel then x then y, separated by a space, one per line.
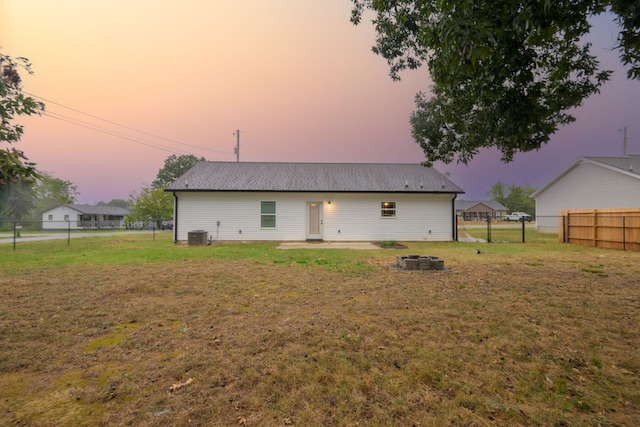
pixel 203 190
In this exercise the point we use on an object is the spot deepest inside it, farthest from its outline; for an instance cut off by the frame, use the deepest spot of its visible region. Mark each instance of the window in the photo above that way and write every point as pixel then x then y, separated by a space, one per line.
pixel 388 209
pixel 268 214
pixel 66 217
pixel 50 217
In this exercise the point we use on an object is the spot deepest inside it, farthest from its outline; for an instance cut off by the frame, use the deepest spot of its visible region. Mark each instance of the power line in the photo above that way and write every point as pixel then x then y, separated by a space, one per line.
pixel 123 126
pixel 106 131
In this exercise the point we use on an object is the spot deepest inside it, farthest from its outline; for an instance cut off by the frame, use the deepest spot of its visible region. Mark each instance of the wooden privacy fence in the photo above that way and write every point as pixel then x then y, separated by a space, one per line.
pixel 601 228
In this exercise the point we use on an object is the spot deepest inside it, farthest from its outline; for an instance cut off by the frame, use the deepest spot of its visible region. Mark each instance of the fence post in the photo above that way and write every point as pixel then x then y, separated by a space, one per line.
pixel 488 229
pixel 15 232
pixel 522 219
pixel 595 228
pixel 624 234
pixel 68 233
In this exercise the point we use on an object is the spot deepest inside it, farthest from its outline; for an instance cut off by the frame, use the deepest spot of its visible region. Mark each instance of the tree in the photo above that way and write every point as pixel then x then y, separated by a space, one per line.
pixel 17 200
pixel 513 197
pixel 152 205
pixel 27 199
pixel 17 174
pixel 14 165
pixel 51 192
pixel 498 193
pixel 505 73
pixel 174 167
pixel 120 203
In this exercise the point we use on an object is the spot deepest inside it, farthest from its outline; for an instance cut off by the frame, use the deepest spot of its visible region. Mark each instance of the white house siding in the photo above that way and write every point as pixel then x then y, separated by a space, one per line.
pixel 419 217
pixel 587 186
pixel 349 217
pixel 58 221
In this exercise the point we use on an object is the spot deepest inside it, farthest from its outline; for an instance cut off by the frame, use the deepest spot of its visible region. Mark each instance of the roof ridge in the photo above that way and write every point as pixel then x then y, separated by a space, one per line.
pixel 314 163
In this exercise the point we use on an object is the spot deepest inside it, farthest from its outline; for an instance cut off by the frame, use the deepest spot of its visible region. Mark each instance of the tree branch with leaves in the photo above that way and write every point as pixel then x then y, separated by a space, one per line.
pixel 505 73
pixel 14 164
pixel 15 167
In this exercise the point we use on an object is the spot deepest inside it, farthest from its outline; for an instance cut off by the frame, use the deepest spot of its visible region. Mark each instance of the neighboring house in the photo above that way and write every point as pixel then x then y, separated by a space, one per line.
pixel 589 183
pixel 314 201
pixel 474 210
pixel 82 217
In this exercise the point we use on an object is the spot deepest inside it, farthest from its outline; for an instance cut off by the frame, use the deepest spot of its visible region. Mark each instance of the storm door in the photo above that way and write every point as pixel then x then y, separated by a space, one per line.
pixel 314 221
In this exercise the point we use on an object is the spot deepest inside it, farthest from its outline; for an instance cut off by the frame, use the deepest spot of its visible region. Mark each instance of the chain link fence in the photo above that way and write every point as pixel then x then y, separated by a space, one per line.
pixel 24 231
pixel 602 230
pixel 496 231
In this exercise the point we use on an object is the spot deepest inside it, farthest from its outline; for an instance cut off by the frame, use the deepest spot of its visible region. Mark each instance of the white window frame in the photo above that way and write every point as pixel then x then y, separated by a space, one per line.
pixel 388 209
pixel 268 215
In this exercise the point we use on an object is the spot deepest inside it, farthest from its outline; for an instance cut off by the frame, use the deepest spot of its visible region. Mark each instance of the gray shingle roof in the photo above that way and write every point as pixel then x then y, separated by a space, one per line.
pixel 630 163
pixel 313 177
pixel 99 210
pixel 463 205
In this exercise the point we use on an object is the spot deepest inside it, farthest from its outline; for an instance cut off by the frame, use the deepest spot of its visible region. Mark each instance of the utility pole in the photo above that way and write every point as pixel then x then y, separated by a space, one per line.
pixel 236 151
pixel 624 141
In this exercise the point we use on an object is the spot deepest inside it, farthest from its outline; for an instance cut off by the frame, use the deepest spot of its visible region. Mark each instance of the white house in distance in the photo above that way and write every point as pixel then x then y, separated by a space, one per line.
pixel 314 201
pixel 589 183
pixel 82 217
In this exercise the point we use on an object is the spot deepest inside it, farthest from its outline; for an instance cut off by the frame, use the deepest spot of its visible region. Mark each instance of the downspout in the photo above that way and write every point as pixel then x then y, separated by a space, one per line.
pixel 454 217
pixel 175 217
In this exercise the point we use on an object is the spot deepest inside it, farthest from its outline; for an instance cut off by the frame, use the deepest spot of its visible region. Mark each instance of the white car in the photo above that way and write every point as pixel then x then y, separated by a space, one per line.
pixel 518 216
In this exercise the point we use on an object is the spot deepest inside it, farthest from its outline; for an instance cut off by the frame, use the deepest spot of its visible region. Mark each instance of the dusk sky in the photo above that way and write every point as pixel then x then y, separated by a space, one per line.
pixel 295 77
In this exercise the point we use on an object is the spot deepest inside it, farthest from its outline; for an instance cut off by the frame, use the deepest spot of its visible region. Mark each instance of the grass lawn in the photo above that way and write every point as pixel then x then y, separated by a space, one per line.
pixel 130 331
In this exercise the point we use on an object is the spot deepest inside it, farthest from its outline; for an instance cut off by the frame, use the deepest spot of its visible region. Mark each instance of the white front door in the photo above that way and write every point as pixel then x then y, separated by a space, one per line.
pixel 314 220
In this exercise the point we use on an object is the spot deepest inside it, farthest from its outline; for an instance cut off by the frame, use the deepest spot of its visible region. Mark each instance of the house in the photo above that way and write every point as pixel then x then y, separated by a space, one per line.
pixel 82 217
pixel 589 183
pixel 473 210
pixel 314 201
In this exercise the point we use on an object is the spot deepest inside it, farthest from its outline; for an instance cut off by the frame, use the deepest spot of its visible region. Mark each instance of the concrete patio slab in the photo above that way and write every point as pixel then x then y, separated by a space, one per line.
pixel 327 245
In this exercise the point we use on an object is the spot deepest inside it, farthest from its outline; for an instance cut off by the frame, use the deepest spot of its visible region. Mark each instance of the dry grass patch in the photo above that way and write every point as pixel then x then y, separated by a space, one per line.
pixel 312 338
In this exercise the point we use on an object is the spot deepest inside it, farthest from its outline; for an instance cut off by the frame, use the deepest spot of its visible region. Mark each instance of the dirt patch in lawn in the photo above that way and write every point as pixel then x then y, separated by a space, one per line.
pixel 492 340
pixel 390 245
